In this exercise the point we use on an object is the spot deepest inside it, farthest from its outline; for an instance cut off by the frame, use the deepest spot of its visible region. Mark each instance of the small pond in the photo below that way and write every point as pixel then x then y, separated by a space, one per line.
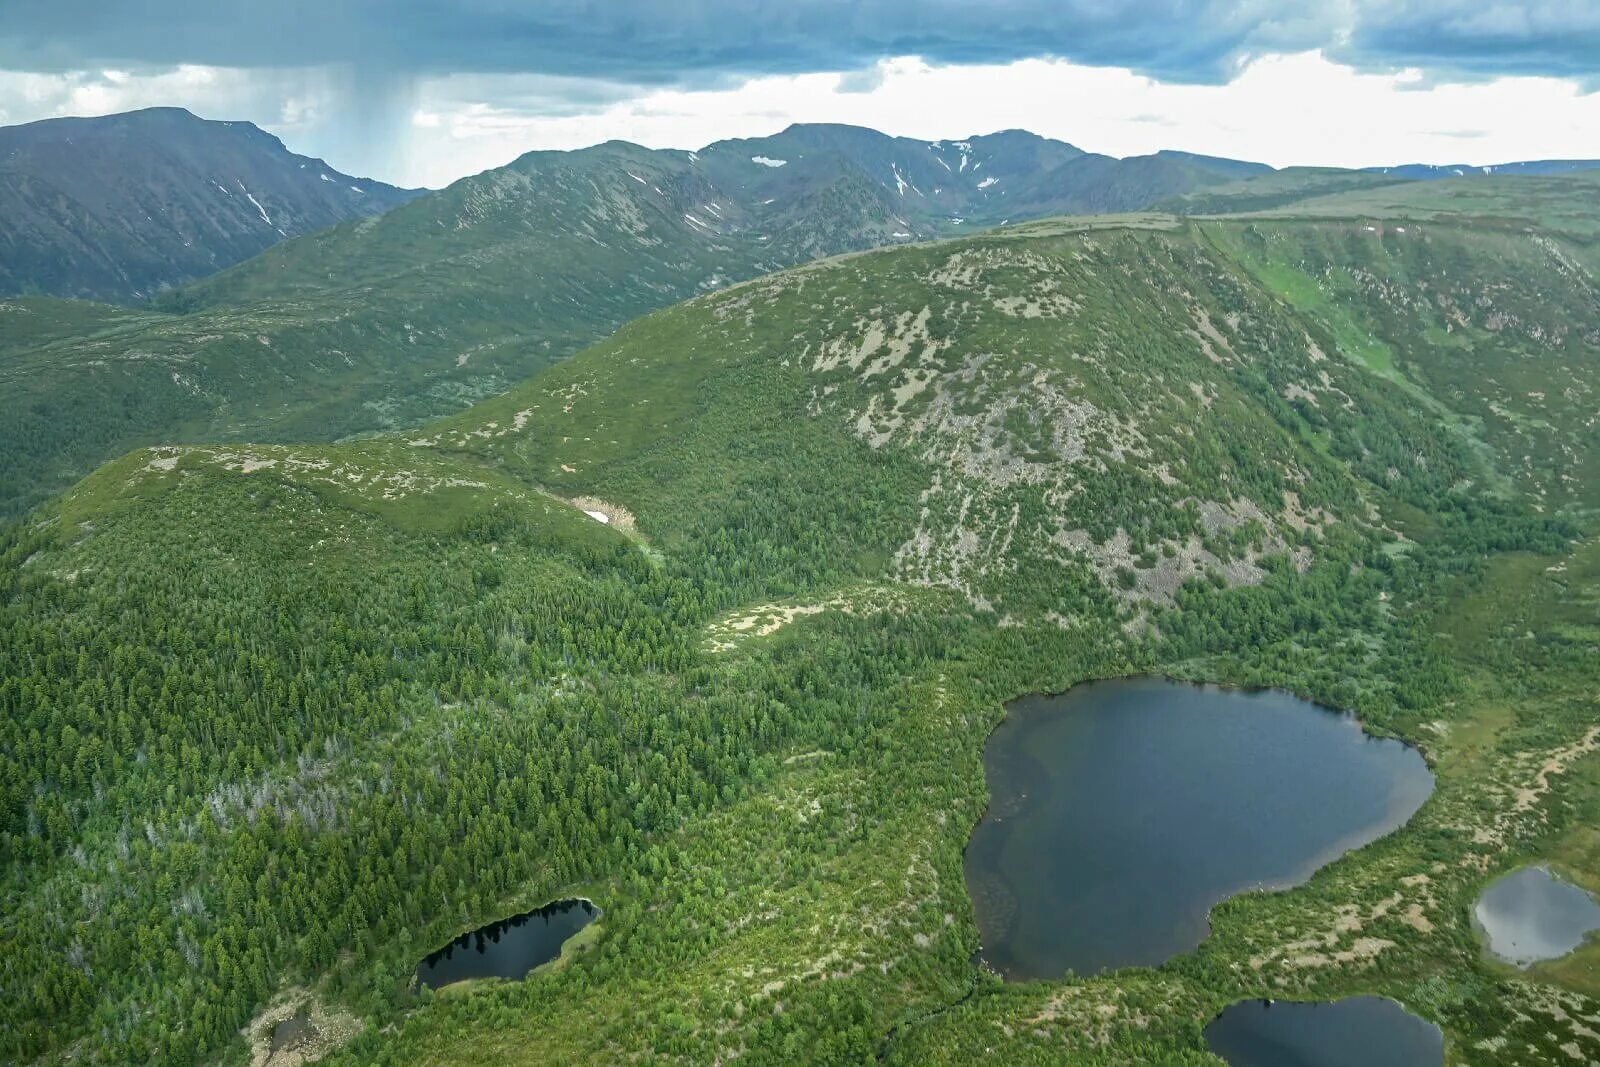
pixel 1122 811
pixel 1532 915
pixel 509 948
pixel 292 1033
pixel 1355 1032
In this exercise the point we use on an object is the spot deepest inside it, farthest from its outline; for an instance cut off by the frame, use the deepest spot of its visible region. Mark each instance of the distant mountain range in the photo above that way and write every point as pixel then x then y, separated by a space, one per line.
pixel 933 185
pixel 125 207
pixel 462 292
pixel 1540 167
pixel 121 207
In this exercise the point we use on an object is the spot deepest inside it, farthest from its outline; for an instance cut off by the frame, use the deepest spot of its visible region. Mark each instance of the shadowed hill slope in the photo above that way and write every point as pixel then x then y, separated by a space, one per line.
pixel 122 207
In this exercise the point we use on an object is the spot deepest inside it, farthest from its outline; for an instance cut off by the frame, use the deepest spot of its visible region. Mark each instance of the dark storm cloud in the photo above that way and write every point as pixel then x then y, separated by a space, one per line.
pixel 708 42
pixel 648 41
pixel 1474 38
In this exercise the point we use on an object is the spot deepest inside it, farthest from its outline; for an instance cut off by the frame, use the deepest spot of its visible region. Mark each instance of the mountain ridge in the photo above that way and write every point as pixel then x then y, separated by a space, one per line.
pixel 120 207
pixel 124 207
pixel 382 322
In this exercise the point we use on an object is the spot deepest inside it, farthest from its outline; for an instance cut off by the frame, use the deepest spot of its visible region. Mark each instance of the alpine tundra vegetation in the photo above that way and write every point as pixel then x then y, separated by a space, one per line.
pixel 708 624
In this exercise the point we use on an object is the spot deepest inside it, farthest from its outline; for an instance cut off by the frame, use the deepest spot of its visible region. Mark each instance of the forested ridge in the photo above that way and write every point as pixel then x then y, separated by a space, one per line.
pixel 280 720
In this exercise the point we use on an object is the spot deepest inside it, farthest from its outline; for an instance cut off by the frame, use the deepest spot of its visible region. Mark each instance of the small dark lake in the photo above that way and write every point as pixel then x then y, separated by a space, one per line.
pixel 509 948
pixel 1532 915
pixel 1122 811
pixel 1355 1032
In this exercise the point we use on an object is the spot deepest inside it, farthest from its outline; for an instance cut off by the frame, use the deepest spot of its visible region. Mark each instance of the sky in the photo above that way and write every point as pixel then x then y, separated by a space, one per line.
pixel 421 92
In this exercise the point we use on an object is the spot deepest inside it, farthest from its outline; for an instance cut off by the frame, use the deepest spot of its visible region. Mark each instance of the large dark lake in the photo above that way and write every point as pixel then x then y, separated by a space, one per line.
pixel 1356 1032
pixel 1122 811
pixel 509 948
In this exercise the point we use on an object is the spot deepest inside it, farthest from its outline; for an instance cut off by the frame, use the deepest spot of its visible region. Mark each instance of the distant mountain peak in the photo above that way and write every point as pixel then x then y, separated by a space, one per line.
pixel 120 207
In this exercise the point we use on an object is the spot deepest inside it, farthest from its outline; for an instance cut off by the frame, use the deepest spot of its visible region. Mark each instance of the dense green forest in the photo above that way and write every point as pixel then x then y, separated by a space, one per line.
pixel 281 719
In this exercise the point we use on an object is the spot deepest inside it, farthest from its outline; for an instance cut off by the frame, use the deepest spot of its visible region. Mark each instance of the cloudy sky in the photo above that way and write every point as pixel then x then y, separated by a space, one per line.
pixel 421 92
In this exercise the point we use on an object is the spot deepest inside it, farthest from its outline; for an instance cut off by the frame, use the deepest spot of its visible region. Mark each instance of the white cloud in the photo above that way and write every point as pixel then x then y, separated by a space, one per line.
pixel 1298 109
pixel 290 103
pixel 1282 109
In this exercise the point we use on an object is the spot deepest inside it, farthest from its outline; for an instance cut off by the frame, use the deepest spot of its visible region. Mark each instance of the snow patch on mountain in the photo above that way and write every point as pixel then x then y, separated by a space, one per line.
pixel 264 216
pixel 900 183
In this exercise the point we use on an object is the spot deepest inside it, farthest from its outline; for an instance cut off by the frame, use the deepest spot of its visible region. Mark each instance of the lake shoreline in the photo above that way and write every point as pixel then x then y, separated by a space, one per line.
pixel 511 948
pixel 1397 779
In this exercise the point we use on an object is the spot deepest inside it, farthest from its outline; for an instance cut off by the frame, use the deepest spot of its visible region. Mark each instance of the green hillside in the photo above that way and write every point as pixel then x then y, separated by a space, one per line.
pixel 281 719
pixel 1494 327
pixel 1266 191
pixel 385 322
pixel 1555 203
